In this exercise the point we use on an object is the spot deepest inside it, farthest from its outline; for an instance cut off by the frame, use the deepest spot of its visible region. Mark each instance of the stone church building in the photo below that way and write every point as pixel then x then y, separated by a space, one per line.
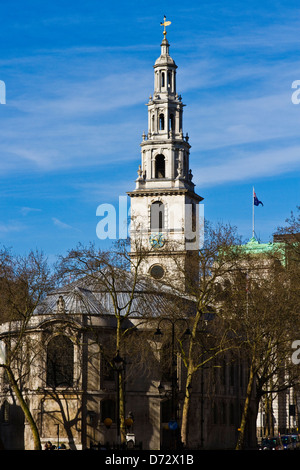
pixel 73 396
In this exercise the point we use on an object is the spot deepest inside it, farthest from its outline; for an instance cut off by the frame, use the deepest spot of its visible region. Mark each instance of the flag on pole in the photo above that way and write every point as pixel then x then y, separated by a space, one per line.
pixel 256 200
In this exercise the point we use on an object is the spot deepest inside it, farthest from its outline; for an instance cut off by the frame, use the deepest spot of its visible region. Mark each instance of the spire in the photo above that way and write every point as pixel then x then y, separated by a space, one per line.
pixel 165 69
pixel 165 44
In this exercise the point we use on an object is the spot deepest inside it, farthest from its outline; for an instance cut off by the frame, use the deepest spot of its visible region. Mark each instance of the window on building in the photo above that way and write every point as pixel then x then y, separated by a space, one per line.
pixel 160 166
pixel 215 415
pixel 157 214
pixel 231 414
pixel 157 271
pixel 223 371
pixel 60 362
pixel 232 375
pixel 161 122
pixel 5 412
pixel 171 122
pixel 107 370
pixel 223 413
pixel 163 79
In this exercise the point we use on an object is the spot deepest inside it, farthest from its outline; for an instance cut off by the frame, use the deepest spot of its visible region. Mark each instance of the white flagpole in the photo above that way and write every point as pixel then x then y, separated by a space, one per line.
pixel 253 231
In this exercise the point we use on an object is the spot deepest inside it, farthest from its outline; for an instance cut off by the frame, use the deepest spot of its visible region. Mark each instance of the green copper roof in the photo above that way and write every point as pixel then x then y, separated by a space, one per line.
pixel 256 248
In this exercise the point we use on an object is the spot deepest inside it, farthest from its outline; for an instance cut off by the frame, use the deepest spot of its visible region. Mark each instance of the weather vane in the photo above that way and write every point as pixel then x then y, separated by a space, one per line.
pixel 164 24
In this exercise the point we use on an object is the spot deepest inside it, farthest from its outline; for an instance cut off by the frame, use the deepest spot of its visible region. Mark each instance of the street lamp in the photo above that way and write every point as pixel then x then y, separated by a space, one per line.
pixel 174 367
pixel 118 361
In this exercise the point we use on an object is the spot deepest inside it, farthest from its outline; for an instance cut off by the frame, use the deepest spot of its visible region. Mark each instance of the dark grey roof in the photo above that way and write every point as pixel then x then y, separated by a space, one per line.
pixel 76 300
pixel 92 296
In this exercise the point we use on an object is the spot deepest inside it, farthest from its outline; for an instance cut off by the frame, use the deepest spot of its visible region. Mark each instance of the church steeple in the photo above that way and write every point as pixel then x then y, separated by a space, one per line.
pixel 165 150
pixel 164 190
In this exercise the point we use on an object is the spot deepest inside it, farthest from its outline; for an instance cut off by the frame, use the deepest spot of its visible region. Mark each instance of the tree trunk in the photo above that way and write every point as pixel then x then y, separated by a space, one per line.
pixel 25 409
pixel 121 409
pixel 190 371
pixel 120 391
pixel 269 416
pixel 185 411
pixel 244 420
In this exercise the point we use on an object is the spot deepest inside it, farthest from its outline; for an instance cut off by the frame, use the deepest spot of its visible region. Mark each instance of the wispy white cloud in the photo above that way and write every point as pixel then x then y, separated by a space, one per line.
pixel 235 122
pixel 94 106
pixel 61 224
pixel 249 166
pixel 78 120
pixel 102 193
pixel 27 210
pixel 76 95
pixel 10 227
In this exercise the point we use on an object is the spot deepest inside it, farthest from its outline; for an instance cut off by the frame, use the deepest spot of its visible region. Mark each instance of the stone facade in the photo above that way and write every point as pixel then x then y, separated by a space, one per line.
pixel 72 401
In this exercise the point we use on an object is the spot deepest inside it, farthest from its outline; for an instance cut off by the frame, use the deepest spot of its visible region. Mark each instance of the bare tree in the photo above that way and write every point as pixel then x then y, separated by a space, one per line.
pixel 114 277
pixel 263 315
pixel 290 232
pixel 24 282
pixel 211 334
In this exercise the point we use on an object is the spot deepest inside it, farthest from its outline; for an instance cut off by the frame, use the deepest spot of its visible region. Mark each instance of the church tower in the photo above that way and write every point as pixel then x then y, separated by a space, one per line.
pixel 164 205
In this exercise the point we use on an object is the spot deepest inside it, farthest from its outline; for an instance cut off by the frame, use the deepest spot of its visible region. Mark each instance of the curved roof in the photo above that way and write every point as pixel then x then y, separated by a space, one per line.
pixel 165 58
pixel 75 300
pixel 95 295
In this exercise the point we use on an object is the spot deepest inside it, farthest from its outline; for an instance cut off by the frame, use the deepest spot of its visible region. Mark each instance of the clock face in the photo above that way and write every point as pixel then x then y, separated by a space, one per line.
pixel 157 240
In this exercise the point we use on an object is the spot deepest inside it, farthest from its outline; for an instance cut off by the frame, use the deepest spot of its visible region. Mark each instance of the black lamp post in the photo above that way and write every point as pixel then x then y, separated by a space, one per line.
pixel 119 364
pixel 158 332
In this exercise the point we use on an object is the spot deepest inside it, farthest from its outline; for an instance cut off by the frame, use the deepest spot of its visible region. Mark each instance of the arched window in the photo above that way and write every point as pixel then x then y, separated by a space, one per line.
pixel 161 122
pixel 107 370
pixel 169 79
pixel 5 412
pixel 163 79
pixel 160 166
pixel 60 362
pixel 157 214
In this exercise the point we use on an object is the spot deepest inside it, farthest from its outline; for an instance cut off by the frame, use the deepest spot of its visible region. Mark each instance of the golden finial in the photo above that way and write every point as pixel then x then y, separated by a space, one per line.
pixel 164 24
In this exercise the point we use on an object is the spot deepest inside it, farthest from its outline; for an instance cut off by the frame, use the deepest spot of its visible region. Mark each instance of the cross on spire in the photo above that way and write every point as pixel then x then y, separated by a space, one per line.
pixel 164 24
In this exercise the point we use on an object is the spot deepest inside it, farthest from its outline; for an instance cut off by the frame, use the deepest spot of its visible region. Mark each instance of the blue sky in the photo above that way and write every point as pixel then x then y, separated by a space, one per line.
pixel 78 75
